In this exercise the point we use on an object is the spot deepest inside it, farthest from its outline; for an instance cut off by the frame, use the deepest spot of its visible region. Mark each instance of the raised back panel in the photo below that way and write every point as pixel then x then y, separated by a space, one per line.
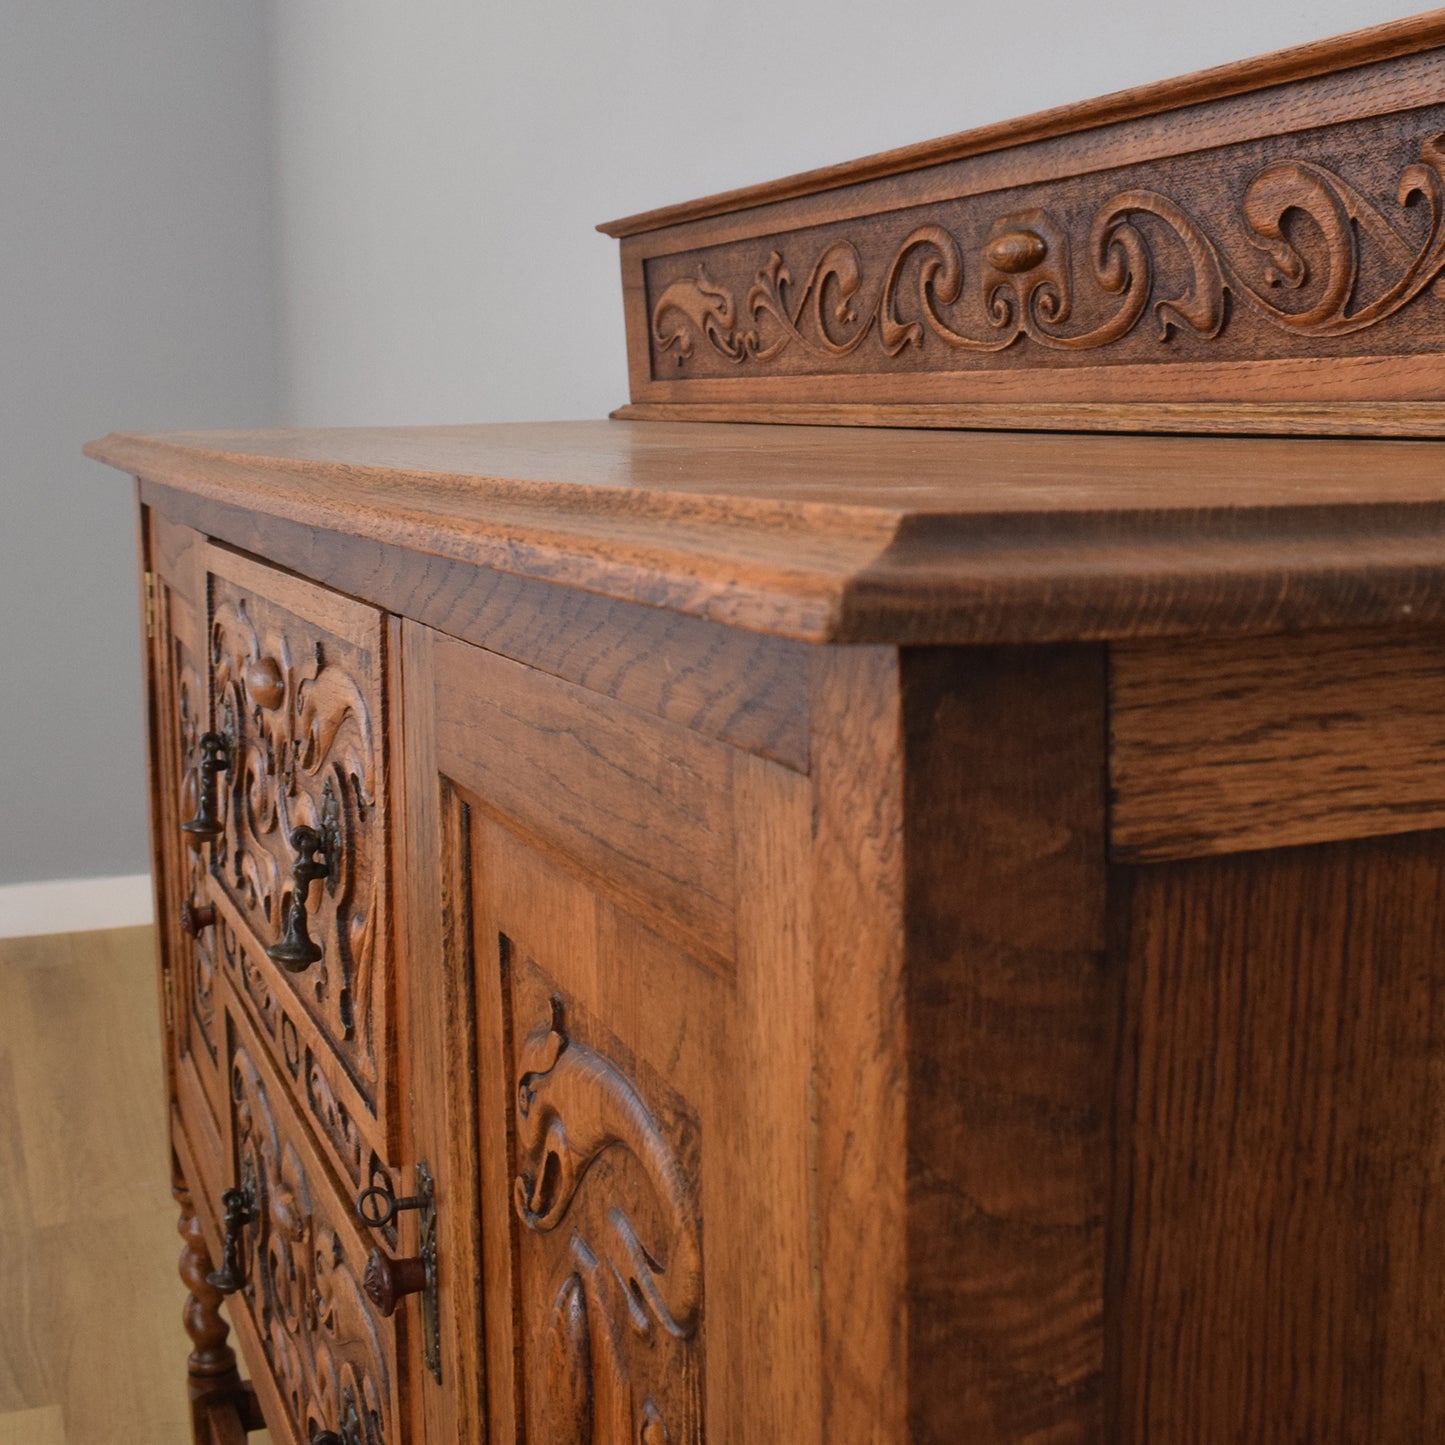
pixel 1269 233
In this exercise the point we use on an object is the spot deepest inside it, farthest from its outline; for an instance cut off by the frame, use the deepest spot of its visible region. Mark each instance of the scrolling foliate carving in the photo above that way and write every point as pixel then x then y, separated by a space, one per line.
pixel 1309 256
pixel 334 1119
pixel 251 979
pixel 303 708
pixel 606 1183
pixel 302 1280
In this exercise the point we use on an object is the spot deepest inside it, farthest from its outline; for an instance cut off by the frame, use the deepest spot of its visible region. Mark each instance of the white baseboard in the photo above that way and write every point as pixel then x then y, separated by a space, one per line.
pixel 75 905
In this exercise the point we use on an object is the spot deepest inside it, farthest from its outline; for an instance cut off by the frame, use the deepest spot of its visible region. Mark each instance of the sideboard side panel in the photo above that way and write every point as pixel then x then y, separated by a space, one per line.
pixel 1280 1236
pixel 1010 1008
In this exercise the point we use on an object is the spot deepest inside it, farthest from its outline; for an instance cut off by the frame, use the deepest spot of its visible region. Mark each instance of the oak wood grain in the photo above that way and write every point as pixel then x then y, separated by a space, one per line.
pixel 1226 745
pixel 1424 419
pixel 1142 248
pixel 1010 1026
pixel 297 676
pixel 873 535
pixel 438 1039
pixel 1179 265
pixel 1280 1156
pixel 322 1341
pixel 641 806
pixel 770 1081
pixel 861 1030
pixel 732 685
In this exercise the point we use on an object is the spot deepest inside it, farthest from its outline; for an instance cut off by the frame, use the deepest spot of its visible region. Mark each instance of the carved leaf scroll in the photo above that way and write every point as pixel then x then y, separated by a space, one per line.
pixel 601 1174
pixel 301 715
pixel 303 1288
pixel 1308 229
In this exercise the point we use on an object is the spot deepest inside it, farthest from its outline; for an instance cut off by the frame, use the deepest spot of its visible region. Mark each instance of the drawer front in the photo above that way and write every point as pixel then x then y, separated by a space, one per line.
pixel 299 1052
pixel 297 692
pixel 331 1359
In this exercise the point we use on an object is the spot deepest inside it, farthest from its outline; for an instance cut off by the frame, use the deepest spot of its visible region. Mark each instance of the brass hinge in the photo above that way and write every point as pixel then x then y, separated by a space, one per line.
pixel 169 992
pixel 150 605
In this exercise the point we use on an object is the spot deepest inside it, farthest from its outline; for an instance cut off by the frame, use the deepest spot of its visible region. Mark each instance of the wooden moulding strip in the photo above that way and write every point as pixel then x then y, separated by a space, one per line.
pixel 1423 419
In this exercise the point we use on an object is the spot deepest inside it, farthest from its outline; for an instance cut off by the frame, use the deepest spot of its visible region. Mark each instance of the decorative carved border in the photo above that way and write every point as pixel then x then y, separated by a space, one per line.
pixel 1327 245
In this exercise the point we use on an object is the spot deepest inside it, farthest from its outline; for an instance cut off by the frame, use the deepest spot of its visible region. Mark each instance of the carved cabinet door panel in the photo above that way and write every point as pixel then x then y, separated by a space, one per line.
pixel 182 716
pixel 301 1259
pixel 627 1058
pixel 297 676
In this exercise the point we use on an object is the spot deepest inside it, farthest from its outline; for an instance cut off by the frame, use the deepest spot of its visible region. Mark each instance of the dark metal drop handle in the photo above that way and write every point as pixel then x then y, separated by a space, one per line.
pixel 240 1207
pixel 215 758
pixel 297 950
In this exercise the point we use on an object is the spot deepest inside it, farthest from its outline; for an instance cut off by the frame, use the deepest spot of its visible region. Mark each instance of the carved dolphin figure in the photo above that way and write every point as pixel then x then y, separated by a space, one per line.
pixel 697 307
pixel 572 1106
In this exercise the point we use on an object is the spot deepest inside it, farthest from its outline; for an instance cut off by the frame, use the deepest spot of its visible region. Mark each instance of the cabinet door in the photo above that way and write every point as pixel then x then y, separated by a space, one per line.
pixel 610 910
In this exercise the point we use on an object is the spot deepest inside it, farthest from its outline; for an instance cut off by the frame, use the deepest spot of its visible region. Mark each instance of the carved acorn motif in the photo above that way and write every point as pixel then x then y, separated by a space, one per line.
pixel 1015 252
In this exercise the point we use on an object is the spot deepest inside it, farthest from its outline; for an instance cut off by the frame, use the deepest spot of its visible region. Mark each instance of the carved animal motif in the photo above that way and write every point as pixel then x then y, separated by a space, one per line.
pixel 693 308
pixel 572 1104
pixel 573 1107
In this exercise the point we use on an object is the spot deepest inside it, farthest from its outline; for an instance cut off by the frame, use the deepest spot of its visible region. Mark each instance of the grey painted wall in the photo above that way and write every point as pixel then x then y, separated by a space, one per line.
pixel 441 164
pixel 136 291
pixel 434 170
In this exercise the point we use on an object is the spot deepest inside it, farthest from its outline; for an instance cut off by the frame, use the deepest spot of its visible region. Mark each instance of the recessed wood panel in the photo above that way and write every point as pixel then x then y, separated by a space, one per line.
pixel 330 1353
pixel 1221 745
pixel 1278 1225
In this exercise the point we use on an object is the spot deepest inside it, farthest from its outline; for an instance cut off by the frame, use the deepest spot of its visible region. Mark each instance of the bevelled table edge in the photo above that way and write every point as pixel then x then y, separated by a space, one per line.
pixel 880 575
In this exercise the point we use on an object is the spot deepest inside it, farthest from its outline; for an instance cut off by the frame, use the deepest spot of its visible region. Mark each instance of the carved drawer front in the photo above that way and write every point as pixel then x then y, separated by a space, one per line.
pixel 297 695
pixel 300 1265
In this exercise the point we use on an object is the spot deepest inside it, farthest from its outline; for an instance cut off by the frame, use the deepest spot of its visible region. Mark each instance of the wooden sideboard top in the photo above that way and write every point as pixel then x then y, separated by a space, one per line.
pixel 839 534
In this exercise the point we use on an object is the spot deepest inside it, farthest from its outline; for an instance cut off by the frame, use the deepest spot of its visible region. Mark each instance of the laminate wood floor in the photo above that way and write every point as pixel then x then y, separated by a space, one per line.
pixel 92 1351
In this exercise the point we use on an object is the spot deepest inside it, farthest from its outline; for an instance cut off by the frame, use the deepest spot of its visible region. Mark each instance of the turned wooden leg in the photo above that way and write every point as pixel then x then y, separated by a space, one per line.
pixel 223 1406
pixel 202 1317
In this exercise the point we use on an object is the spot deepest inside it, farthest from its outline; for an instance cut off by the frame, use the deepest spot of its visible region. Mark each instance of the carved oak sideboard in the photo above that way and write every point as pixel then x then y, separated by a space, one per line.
pixel 682 933
pixel 693 933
